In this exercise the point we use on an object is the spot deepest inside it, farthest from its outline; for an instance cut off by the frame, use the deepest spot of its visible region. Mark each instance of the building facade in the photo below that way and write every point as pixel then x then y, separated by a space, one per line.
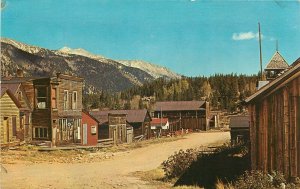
pixel 184 114
pixel 275 124
pixel 89 132
pixel 57 109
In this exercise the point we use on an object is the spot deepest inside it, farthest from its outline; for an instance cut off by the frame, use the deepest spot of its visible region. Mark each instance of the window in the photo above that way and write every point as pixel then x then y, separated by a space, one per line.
pixel 14 125
pixel 19 95
pixel 40 132
pixel 41 97
pixel 54 98
pixel 66 99
pixel 93 130
pixel 74 100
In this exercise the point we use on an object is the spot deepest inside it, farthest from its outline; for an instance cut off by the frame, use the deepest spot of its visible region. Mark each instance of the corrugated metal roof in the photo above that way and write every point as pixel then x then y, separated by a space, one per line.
pixel 178 105
pixel 277 62
pixel 239 122
pixel 133 116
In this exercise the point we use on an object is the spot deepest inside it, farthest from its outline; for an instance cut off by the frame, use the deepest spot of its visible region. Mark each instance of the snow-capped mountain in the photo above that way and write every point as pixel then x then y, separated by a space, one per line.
pixel 154 70
pixel 100 73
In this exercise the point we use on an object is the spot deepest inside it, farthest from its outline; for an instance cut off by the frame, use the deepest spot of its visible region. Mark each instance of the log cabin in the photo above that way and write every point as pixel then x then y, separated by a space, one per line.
pixel 192 115
pixel 275 124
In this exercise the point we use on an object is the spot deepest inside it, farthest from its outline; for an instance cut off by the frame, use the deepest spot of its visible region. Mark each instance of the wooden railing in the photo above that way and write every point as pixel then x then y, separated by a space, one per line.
pixel 106 142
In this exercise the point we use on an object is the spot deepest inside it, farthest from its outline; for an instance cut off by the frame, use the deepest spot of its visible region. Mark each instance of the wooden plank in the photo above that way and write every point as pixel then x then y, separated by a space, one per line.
pixel 286 168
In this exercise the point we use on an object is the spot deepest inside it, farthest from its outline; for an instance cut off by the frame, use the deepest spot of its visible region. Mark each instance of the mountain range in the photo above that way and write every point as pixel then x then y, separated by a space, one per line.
pixel 99 72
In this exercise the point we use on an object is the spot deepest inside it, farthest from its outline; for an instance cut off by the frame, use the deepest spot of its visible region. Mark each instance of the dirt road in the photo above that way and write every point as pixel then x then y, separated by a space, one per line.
pixel 112 173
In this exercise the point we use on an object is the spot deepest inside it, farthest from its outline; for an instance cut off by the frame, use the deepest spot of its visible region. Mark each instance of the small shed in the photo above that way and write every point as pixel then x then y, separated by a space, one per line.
pixel 89 130
pixel 239 128
pixel 138 119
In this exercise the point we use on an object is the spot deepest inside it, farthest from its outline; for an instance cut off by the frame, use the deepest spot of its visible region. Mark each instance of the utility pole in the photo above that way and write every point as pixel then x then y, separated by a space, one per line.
pixel 260 53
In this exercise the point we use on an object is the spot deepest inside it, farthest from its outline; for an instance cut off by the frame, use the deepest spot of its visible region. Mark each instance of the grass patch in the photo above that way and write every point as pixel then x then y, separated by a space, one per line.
pixel 157 177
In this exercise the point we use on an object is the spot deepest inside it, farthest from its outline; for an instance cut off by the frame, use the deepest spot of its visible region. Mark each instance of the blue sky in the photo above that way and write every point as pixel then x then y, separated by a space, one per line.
pixel 191 37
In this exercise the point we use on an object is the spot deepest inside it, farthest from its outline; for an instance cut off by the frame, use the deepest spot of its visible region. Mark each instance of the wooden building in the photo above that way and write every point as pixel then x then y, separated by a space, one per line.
pixel 239 128
pixel 17 90
pixel 138 119
pixel 160 126
pixel 275 124
pixel 117 128
pixel 57 109
pixel 89 131
pixel 184 114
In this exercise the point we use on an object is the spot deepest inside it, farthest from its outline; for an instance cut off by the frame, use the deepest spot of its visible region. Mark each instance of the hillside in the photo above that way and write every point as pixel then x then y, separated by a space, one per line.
pixel 100 73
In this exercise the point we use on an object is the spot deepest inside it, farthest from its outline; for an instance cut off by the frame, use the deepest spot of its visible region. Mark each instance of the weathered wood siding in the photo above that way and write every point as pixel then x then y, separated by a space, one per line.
pixel 117 127
pixel 275 130
pixel 8 109
pixel 41 118
pixel 195 120
pixel 70 86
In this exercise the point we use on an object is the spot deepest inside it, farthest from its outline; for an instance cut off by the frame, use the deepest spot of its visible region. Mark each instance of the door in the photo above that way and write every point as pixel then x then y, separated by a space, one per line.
pixel 6 128
pixel 84 133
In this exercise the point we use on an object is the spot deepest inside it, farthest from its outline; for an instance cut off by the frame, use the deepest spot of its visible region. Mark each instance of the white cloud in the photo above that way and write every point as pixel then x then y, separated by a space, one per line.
pixel 245 36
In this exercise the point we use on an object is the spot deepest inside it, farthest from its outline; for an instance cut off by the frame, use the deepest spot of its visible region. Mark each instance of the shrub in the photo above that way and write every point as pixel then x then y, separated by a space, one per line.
pixel 258 180
pixel 176 164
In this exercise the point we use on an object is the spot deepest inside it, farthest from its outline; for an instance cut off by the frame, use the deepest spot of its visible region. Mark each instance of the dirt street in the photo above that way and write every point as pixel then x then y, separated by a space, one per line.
pixel 111 173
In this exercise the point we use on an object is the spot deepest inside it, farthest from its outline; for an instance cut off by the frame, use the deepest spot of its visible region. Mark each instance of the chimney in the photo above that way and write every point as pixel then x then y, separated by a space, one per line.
pixel 20 73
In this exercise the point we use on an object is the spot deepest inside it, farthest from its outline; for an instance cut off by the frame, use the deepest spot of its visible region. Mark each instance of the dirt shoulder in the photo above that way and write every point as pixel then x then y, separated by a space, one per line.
pixel 113 172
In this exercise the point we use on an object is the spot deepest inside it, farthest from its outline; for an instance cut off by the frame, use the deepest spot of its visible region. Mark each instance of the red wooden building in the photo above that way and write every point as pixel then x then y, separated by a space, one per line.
pixel 89 130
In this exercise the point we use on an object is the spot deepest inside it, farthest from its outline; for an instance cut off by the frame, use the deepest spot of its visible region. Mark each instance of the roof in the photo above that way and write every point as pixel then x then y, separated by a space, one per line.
pixel 291 73
pixel 13 87
pixel 158 121
pixel 133 116
pixel 277 62
pixel 178 105
pixel 11 95
pixel 239 122
pixel 89 115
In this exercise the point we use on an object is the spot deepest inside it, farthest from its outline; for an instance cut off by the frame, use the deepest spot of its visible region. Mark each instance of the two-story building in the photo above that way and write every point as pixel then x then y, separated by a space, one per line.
pixel 56 114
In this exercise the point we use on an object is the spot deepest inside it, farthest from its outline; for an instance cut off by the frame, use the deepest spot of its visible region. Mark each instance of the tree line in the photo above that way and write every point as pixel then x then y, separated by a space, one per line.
pixel 223 91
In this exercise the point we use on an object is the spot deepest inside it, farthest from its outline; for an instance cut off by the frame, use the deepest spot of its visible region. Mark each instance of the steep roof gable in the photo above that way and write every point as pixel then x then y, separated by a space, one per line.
pixel 287 75
pixel 277 62
pixel 11 95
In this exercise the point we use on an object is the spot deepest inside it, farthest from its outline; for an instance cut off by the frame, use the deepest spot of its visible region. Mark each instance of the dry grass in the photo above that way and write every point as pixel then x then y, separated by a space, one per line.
pixel 221 185
pixel 141 144
pixel 157 177
pixel 30 153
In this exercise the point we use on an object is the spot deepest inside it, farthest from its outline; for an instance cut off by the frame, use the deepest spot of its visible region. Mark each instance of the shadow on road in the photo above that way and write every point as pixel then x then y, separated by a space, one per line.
pixel 226 165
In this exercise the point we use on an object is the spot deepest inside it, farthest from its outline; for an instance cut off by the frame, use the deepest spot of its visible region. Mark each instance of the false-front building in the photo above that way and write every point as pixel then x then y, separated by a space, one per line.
pixel 57 109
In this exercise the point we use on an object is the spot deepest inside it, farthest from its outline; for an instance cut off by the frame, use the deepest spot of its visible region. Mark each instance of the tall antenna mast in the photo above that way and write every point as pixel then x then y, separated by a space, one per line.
pixel 276 45
pixel 260 54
